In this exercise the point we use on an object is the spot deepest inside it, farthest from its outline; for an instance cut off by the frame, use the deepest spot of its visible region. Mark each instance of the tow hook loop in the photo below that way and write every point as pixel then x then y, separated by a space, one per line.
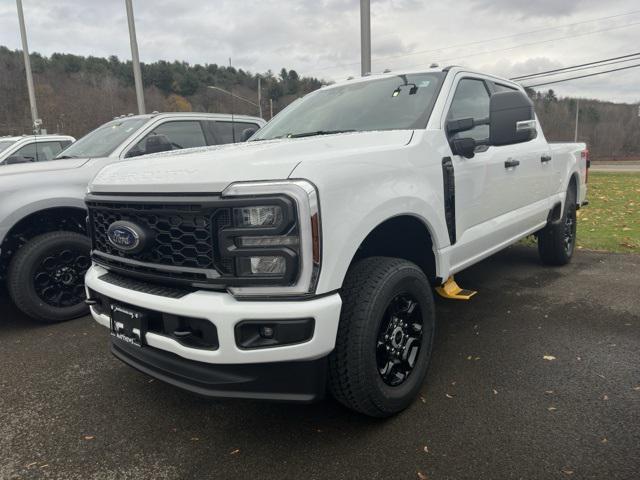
pixel 451 290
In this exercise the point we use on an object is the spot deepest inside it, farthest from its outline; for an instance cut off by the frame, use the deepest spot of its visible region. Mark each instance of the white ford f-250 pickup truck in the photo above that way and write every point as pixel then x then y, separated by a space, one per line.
pixel 44 249
pixel 305 259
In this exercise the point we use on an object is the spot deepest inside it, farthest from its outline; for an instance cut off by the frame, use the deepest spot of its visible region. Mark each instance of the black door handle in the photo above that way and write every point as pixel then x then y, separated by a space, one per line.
pixel 511 163
pixel 545 158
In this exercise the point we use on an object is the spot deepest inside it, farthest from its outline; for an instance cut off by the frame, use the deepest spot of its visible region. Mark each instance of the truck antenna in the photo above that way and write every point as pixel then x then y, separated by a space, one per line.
pixel 233 107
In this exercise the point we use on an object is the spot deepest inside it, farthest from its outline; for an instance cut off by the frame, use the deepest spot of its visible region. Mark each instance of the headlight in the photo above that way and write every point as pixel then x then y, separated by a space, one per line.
pixel 259 216
pixel 275 238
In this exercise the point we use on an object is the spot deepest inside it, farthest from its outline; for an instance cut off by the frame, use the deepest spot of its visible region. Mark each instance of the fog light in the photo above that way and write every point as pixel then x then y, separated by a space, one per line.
pixel 267 332
pixel 270 265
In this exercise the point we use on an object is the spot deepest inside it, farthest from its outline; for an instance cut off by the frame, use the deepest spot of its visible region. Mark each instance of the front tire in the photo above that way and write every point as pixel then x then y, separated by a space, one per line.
pixel 385 336
pixel 46 276
pixel 556 241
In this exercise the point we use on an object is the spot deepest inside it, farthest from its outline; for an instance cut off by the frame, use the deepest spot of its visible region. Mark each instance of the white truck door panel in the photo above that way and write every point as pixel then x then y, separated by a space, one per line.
pixel 494 202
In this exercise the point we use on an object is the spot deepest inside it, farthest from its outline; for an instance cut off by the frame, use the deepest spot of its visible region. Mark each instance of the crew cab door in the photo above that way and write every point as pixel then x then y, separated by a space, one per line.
pixel 494 190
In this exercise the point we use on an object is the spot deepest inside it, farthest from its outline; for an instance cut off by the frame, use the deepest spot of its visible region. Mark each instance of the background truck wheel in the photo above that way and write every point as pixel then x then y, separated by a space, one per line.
pixel 556 242
pixel 385 336
pixel 46 276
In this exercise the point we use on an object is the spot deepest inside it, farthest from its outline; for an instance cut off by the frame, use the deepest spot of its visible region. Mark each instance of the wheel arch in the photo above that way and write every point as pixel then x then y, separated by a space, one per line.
pixel 31 222
pixel 405 236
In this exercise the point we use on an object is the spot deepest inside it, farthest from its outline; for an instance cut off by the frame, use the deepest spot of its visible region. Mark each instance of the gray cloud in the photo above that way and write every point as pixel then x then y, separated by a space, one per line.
pixel 321 37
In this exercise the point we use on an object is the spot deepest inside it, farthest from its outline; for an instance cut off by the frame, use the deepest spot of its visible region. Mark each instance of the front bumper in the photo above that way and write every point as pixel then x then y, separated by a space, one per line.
pixel 302 381
pixel 293 372
pixel 224 312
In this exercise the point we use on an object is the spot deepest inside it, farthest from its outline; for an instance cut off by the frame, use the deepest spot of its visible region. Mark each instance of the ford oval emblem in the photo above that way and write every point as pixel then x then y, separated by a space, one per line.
pixel 125 236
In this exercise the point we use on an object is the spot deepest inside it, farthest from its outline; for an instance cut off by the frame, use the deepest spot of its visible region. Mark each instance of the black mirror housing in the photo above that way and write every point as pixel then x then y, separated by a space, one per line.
pixel 465 147
pixel 511 119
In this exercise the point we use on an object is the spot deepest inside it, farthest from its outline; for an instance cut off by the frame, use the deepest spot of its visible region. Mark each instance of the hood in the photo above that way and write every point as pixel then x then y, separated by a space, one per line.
pixel 42 167
pixel 212 169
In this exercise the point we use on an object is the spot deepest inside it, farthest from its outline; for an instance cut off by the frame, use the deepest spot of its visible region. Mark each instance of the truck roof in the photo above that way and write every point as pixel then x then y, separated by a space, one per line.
pixel 223 116
pixel 52 136
pixel 435 68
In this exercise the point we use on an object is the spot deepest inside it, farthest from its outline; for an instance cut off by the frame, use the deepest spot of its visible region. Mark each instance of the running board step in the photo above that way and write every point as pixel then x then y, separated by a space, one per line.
pixel 452 291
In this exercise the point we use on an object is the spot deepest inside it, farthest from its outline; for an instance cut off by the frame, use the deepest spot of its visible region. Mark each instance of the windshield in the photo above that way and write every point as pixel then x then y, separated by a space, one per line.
pixel 401 102
pixel 103 140
pixel 4 144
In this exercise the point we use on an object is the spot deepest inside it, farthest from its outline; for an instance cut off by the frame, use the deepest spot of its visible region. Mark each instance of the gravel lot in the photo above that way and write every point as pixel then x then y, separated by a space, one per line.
pixel 492 407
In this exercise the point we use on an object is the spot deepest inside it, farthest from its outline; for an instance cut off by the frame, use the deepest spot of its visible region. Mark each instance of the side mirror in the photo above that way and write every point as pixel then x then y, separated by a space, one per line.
pixel 156 144
pixel 247 133
pixel 465 147
pixel 16 159
pixel 511 119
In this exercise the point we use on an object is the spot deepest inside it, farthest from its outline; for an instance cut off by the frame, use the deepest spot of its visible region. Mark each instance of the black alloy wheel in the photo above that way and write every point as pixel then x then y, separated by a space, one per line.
pixel 399 339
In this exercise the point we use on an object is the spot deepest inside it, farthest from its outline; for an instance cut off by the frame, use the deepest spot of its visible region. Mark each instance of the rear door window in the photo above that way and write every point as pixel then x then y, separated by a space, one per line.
pixel 221 132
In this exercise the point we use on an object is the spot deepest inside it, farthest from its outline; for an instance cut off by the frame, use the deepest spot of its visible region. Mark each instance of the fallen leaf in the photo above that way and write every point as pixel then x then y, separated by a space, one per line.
pixel 549 357
pixel 426 449
pixel 44 466
pixel 89 437
pixel 235 452
pixel 549 392
pixel 605 397
pixel 604 440
pixel 31 464
pixel 423 400
pixel 637 389
pixel 566 471
pixel 422 476
pixel 495 392
pixel 194 439
pixel 552 409
pixel 448 396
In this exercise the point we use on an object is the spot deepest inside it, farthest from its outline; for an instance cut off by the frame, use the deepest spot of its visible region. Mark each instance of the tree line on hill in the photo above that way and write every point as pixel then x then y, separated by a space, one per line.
pixel 75 94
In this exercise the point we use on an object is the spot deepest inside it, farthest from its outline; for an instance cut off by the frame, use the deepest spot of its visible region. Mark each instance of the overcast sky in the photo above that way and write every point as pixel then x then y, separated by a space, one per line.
pixel 322 37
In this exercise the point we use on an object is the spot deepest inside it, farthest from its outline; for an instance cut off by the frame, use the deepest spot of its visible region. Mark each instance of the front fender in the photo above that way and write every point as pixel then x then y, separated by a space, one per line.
pixel 337 255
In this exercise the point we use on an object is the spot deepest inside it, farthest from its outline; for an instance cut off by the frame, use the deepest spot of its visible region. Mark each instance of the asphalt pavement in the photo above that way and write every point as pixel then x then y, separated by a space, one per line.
pixel 538 377
pixel 616 167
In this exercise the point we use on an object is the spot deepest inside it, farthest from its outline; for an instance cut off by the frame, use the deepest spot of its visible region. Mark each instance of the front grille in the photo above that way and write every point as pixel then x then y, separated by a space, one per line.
pixel 182 236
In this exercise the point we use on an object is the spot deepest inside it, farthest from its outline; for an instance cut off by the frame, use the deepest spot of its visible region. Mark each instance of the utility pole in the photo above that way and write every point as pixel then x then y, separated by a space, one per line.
pixel 365 37
pixel 135 59
pixel 259 96
pixel 271 108
pixel 35 121
pixel 575 135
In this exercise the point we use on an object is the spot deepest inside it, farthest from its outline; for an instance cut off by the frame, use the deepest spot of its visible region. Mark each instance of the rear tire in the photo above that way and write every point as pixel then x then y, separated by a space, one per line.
pixel 385 336
pixel 556 241
pixel 46 276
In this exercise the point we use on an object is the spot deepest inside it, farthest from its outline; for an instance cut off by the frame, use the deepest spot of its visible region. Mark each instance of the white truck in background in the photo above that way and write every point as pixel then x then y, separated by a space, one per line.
pixel 32 148
pixel 304 260
pixel 44 249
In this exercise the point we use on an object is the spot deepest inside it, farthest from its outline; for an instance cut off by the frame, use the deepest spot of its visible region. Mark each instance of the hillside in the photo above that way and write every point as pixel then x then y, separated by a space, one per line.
pixel 76 94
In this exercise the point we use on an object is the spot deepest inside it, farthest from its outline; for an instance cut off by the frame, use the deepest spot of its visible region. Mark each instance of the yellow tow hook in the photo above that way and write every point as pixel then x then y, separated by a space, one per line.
pixel 451 290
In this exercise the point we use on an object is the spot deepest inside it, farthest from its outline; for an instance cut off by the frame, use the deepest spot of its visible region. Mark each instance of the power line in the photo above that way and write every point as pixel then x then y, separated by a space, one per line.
pixel 551 72
pixel 478 42
pixel 533 43
pixel 583 76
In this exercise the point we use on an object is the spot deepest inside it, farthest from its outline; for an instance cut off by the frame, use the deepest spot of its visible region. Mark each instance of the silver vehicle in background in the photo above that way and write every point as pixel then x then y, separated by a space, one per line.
pixel 44 249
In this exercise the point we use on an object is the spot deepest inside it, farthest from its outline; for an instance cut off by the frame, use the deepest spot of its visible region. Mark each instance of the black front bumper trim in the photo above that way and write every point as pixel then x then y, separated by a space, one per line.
pixel 301 382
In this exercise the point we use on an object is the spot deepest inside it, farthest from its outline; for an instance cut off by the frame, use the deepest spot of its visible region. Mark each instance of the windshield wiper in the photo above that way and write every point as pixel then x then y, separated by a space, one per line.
pixel 317 132
pixel 64 157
